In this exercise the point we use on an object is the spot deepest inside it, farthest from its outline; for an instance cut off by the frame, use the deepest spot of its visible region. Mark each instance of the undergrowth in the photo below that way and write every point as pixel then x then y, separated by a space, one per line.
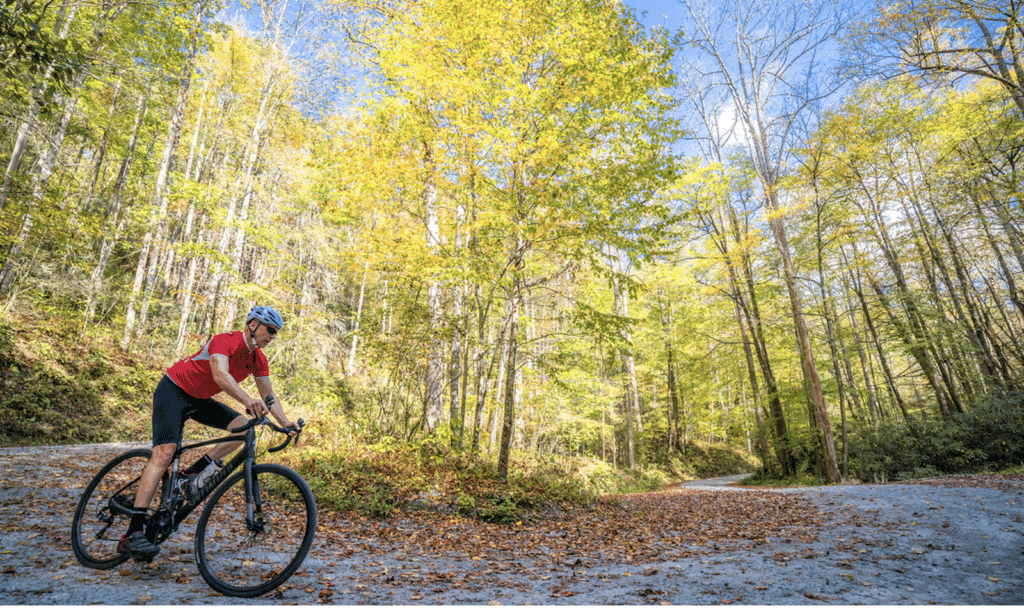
pixel 376 480
pixel 60 388
pixel 379 479
pixel 716 460
pixel 988 438
pixel 63 386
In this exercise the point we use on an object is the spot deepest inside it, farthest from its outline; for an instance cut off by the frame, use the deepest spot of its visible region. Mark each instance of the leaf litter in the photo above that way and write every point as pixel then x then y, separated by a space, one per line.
pixel 843 544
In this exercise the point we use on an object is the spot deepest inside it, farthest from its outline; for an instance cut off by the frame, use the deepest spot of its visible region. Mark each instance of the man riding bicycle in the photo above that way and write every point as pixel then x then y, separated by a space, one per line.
pixel 187 390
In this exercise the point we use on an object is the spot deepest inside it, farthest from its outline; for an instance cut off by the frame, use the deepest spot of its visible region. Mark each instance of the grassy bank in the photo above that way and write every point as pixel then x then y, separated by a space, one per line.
pixel 60 386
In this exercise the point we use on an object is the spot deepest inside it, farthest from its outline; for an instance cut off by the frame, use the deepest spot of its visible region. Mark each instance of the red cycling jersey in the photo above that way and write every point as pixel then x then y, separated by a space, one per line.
pixel 195 377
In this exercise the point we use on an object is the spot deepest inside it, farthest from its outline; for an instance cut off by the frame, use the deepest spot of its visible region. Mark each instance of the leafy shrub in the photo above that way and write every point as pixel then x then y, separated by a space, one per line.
pixel 989 437
pixel 808 467
pixel 376 480
pixel 997 430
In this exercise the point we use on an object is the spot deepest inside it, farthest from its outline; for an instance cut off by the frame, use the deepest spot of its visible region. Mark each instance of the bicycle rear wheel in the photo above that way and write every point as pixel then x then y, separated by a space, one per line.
pixel 247 558
pixel 104 510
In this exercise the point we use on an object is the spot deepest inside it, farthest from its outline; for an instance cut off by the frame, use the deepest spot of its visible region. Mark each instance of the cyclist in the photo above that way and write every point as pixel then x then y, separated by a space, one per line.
pixel 187 390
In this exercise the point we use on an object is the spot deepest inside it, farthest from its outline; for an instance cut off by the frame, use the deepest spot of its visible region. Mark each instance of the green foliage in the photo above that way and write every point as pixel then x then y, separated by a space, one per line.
pixel 804 448
pixel 545 132
pixel 32 59
pixel 718 460
pixel 603 478
pixel 990 437
pixel 7 355
pixel 762 478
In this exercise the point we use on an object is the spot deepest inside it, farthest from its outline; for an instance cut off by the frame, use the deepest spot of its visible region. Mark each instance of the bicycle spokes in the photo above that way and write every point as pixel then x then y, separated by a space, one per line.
pixel 248 555
pixel 105 509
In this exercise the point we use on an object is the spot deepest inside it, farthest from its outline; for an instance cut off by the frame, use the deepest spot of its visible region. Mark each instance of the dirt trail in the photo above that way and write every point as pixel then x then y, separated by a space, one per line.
pixel 955 540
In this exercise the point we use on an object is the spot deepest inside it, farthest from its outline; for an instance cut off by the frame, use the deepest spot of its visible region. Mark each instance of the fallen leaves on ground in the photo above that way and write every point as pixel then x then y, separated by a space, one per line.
pixel 556 553
pixel 636 528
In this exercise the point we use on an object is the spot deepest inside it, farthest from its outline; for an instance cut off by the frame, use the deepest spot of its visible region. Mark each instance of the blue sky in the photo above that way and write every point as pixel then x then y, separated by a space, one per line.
pixel 659 12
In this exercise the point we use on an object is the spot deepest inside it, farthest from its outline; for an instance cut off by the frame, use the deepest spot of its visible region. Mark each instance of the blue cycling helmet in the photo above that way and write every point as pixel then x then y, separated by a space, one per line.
pixel 265 315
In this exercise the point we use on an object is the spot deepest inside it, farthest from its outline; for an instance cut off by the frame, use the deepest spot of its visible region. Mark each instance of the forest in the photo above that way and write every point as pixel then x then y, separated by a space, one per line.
pixel 538 231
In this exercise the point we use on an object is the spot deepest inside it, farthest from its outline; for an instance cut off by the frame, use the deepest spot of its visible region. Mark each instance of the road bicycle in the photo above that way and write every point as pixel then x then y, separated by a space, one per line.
pixel 253 534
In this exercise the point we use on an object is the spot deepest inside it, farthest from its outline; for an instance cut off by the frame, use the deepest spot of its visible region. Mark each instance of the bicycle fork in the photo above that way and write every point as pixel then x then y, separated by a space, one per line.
pixel 253 497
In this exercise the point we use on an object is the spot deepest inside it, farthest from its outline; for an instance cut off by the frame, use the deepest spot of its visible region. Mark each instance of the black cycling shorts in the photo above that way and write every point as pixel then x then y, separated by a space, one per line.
pixel 172 406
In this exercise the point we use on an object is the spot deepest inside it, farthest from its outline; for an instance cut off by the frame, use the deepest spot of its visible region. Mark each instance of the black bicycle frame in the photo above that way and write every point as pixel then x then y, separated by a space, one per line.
pixel 246 457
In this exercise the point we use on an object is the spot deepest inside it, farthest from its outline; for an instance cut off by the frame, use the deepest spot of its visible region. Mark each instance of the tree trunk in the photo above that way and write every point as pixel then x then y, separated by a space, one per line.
pixel 970 326
pixel 753 317
pixel 803 337
pixel 762 440
pixel 1012 290
pixel 357 319
pixel 188 285
pixel 631 404
pixel 830 323
pixel 511 363
pixel 483 375
pixel 890 378
pixel 47 163
pixel 432 406
pixel 101 155
pixel 64 17
pixel 674 443
pixel 916 348
pixel 117 216
pixel 913 331
pixel 254 152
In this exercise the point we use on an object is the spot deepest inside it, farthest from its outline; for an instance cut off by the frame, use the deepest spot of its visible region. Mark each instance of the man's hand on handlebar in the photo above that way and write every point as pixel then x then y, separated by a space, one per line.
pixel 293 429
pixel 255 408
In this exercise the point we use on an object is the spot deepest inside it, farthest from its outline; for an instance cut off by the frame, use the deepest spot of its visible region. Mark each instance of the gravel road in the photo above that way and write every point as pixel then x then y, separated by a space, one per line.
pixel 951 540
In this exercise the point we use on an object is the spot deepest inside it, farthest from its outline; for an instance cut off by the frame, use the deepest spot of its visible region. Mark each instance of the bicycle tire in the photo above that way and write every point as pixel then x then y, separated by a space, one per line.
pixel 98 523
pixel 240 560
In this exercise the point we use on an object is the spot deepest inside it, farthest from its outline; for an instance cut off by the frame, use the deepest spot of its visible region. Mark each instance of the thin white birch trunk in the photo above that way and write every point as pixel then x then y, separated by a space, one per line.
pixel 186 293
pixel 253 150
pixel 433 404
pixel 455 364
pixel 622 310
pixel 358 318
pixel 102 153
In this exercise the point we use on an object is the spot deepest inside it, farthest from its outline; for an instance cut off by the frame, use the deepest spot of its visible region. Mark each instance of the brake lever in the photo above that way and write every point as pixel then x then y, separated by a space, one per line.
pixel 298 427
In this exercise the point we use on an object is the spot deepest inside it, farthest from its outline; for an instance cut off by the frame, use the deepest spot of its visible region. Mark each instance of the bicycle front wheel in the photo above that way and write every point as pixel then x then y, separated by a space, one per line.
pixel 104 510
pixel 245 556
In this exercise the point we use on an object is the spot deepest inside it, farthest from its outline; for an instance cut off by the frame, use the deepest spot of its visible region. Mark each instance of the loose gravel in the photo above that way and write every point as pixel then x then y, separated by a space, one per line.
pixel 951 540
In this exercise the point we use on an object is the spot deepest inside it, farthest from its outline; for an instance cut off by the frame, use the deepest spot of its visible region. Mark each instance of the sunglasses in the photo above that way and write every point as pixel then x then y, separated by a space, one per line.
pixel 270 329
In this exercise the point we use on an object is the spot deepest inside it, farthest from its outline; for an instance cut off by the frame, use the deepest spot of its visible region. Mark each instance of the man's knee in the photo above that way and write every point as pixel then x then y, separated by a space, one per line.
pixel 163 453
pixel 237 423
